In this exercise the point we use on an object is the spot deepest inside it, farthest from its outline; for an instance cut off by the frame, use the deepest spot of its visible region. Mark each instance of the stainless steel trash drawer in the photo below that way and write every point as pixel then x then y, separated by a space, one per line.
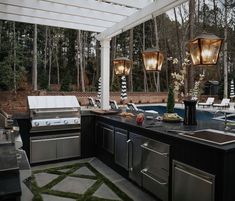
pixel 155 168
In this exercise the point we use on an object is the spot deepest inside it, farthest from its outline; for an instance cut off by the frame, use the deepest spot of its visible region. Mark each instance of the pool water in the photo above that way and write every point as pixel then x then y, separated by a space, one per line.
pixel 201 115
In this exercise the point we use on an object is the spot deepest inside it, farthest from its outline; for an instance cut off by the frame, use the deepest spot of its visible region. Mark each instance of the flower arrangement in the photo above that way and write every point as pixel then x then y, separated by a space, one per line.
pixel 179 80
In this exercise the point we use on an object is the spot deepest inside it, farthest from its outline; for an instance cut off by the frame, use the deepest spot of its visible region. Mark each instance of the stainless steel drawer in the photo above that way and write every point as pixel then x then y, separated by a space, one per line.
pixel 42 150
pixel 155 168
pixel 68 147
pixel 155 158
pixel 155 185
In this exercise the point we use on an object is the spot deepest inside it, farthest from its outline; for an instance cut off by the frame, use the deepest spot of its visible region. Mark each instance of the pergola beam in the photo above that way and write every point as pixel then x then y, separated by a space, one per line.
pixel 62 9
pixel 96 5
pixel 154 9
pixel 27 12
pixel 131 3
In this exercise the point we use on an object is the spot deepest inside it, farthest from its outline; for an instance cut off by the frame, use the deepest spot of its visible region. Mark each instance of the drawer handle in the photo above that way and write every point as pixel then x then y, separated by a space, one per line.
pixel 144 172
pixel 130 168
pixel 165 154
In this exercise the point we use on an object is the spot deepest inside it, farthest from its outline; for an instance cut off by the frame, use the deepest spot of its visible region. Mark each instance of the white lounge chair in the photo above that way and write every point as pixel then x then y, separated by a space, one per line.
pixel 209 102
pixel 224 103
pixel 98 103
pixel 113 105
pixel 91 102
pixel 132 107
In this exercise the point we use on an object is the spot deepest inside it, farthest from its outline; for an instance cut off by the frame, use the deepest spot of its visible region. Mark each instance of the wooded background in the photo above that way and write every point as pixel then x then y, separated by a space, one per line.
pixel 41 57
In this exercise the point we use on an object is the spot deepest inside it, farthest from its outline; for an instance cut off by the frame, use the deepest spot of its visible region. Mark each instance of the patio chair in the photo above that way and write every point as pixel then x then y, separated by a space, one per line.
pixel 113 105
pixel 91 102
pixel 209 102
pixel 98 103
pixel 132 107
pixel 224 103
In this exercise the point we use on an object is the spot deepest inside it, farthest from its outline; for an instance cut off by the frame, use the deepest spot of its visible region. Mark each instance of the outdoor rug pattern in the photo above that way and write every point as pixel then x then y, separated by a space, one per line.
pixel 76 182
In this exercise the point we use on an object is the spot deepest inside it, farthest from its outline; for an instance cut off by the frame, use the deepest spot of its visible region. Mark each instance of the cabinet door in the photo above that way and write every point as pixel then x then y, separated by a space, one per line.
pixel 121 155
pixel 135 157
pixel 42 150
pixel 108 139
pixel 68 147
pixel 189 183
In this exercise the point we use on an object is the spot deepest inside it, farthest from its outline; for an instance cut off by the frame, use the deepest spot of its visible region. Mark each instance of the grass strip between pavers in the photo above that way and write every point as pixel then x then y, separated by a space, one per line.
pixel 87 196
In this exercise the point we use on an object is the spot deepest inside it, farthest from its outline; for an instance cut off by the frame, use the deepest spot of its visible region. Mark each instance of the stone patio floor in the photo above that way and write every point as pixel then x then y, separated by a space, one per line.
pixel 81 185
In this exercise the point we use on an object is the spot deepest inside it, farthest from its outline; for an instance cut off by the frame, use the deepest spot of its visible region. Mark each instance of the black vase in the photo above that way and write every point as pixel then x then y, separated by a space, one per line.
pixel 190 112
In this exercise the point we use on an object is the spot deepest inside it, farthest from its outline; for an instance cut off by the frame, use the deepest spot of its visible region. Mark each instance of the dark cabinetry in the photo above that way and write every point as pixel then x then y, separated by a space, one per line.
pixel 121 152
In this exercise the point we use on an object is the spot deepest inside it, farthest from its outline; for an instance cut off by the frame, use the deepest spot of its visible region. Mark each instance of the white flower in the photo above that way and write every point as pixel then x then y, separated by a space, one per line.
pixel 175 61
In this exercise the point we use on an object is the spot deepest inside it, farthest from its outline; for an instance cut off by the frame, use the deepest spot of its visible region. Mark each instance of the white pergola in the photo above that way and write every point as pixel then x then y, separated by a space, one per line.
pixel 106 17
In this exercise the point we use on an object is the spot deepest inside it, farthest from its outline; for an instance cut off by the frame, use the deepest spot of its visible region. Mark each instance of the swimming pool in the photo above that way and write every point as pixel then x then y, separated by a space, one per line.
pixel 201 115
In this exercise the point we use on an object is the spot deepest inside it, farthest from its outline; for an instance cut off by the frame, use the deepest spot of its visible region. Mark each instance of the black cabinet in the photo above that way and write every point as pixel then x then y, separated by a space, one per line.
pixel 121 152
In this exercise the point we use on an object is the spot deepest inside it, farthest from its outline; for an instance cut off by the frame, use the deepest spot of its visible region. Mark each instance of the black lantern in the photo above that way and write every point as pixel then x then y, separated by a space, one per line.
pixel 122 66
pixel 153 59
pixel 205 48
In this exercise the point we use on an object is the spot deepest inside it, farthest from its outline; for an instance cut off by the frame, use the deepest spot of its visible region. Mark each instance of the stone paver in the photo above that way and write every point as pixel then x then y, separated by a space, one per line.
pixel 64 170
pixel 74 185
pixel 84 171
pixel 106 193
pixel 44 178
pixel 47 197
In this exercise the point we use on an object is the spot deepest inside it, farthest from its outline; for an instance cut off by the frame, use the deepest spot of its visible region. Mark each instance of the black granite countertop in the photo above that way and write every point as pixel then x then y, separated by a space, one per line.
pixel 158 128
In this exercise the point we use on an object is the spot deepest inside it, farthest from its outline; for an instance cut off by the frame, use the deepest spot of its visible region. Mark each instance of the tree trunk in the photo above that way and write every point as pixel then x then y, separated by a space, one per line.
pixel 78 56
pixel 145 76
pixel 178 38
pixel 57 64
pixel 130 78
pixel 81 59
pixel 191 32
pixel 225 49
pixel 45 49
pixel 14 55
pixel 34 71
pixel 156 82
pixel 50 59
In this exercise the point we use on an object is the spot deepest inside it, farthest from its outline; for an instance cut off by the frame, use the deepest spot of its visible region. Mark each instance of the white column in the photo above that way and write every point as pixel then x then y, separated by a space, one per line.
pixel 105 73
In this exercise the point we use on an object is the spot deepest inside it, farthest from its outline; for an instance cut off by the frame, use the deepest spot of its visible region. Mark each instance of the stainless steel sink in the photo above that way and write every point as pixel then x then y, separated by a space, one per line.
pixel 211 136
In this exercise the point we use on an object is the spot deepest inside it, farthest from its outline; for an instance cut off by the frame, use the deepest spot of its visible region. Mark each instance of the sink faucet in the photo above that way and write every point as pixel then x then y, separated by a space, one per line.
pixel 226 127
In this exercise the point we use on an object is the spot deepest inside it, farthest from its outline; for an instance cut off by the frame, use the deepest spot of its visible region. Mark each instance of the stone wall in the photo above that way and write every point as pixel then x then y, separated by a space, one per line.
pixel 17 102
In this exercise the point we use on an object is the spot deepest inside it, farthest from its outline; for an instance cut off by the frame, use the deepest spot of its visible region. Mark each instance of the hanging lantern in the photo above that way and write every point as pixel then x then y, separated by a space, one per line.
pixel 153 59
pixel 122 66
pixel 205 48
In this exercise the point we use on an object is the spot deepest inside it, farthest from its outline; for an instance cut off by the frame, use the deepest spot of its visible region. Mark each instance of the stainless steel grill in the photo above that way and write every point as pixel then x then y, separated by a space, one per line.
pixel 54 113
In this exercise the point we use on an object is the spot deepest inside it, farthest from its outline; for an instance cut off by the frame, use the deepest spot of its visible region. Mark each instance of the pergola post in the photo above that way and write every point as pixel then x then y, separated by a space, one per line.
pixel 105 73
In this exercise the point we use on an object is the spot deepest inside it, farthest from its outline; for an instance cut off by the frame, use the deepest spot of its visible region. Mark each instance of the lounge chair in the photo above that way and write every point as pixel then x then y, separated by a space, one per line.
pixel 209 102
pixel 132 107
pixel 91 102
pixel 113 105
pixel 98 103
pixel 224 103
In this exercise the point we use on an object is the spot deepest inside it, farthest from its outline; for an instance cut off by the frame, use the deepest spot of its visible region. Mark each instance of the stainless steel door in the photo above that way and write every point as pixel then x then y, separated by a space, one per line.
pixel 155 168
pixel 68 147
pixel 121 155
pixel 108 139
pixel 189 183
pixel 135 156
pixel 42 149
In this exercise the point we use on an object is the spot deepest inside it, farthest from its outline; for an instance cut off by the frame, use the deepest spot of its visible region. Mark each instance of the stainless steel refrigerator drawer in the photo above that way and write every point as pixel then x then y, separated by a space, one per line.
pixel 155 158
pixel 189 183
pixel 155 185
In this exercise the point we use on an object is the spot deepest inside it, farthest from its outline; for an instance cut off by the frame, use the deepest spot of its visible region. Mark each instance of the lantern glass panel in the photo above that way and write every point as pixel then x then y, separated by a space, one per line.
pixel 153 60
pixel 210 51
pixel 122 67
pixel 195 52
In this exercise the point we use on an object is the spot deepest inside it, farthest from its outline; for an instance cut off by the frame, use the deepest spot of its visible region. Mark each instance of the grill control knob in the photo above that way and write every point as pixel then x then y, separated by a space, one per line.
pixel 66 122
pixel 36 123
pixel 75 121
pixel 48 123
